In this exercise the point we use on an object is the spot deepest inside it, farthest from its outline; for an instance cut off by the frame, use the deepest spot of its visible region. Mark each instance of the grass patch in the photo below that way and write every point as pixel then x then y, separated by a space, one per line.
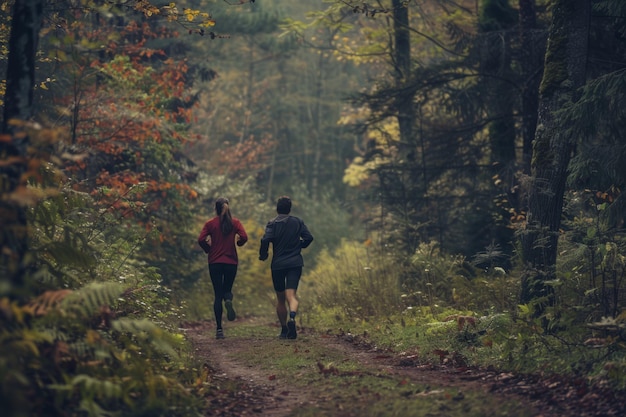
pixel 341 384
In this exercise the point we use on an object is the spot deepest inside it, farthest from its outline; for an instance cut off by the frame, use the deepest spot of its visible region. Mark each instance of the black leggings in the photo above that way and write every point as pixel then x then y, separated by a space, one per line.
pixel 222 278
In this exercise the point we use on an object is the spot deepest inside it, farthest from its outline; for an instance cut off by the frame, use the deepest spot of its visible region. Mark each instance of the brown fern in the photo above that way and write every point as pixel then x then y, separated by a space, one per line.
pixel 41 305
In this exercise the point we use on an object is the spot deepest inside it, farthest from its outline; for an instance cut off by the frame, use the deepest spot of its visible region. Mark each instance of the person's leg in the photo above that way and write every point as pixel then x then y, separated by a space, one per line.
pixel 278 279
pixel 292 280
pixel 230 272
pixel 216 273
pixel 292 300
pixel 281 309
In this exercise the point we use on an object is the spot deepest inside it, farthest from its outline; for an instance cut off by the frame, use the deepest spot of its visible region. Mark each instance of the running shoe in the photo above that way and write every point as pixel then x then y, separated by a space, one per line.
pixel 283 333
pixel 230 312
pixel 291 329
pixel 219 334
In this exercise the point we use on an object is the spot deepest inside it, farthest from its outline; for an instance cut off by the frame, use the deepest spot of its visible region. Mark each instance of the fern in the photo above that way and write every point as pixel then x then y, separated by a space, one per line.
pixel 92 388
pixel 41 305
pixel 147 331
pixel 86 301
pixel 94 410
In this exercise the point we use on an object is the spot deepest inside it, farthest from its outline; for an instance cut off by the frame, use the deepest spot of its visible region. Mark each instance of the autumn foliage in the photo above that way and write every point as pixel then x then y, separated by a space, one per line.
pixel 129 124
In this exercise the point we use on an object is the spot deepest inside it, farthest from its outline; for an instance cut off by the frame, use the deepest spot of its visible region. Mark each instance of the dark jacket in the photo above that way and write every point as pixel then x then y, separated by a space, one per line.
pixel 288 235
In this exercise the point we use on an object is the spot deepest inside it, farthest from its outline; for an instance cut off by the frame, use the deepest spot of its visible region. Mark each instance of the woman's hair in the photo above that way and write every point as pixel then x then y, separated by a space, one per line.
pixel 226 219
pixel 283 205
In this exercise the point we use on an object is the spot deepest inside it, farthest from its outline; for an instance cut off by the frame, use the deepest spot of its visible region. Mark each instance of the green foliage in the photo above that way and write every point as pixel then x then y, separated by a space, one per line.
pixel 592 261
pixel 90 334
pixel 496 15
pixel 354 279
pixel 66 351
pixel 445 311
pixel 360 282
pixel 87 300
pixel 432 275
pixel 115 260
pixel 612 8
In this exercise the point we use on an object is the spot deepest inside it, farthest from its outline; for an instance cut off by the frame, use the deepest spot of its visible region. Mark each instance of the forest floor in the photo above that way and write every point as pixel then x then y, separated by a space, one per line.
pixel 253 373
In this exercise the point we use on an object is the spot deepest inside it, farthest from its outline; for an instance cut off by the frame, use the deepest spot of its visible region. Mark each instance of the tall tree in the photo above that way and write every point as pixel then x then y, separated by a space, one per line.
pixel 401 58
pixel 564 74
pixel 496 19
pixel 18 103
pixel 531 50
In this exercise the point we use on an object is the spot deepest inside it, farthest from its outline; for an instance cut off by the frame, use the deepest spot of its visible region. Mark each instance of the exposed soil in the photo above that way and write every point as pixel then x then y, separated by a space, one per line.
pixel 254 392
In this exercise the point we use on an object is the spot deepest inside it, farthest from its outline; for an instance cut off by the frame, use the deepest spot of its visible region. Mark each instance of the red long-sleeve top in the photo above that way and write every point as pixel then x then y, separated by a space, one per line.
pixel 222 248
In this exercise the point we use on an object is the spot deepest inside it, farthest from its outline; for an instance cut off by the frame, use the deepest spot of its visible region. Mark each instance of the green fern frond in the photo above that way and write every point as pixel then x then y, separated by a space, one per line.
pixel 86 301
pixel 95 388
pixel 161 383
pixel 67 253
pixel 600 98
pixel 614 9
pixel 94 410
pixel 146 330
pixel 92 389
pixel 81 349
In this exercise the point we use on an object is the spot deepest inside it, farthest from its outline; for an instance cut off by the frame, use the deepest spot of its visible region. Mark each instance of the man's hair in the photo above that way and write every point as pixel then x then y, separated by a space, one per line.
pixel 283 205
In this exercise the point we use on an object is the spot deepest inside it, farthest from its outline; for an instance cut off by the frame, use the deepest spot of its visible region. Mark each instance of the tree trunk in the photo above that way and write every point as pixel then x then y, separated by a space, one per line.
pixel 402 66
pixel 531 66
pixel 406 115
pixel 316 114
pixel 18 104
pixel 564 74
pixel 495 21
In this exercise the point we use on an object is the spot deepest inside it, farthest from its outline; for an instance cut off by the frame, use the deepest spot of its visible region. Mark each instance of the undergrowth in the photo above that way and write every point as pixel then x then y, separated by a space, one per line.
pixel 444 315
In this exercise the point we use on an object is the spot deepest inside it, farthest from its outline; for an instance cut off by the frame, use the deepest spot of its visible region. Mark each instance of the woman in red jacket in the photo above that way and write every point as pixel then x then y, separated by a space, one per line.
pixel 218 238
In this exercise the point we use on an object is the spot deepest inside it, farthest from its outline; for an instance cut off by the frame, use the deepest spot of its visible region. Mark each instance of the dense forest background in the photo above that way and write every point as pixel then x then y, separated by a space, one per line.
pixel 460 164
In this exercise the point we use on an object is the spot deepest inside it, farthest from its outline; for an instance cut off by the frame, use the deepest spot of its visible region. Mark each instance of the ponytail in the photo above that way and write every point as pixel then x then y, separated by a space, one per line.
pixel 226 220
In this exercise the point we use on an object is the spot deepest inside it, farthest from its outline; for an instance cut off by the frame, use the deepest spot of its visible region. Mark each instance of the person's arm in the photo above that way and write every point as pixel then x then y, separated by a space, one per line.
pixel 241 232
pixel 202 238
pixel 305 236
pixel 265 241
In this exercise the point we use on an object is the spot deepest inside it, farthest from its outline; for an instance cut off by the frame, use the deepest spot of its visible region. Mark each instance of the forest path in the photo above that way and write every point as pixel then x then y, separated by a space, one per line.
pixel 253 373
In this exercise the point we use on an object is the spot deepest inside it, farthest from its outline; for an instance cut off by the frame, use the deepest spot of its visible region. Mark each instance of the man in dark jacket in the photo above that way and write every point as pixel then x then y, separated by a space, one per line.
pixel 288 235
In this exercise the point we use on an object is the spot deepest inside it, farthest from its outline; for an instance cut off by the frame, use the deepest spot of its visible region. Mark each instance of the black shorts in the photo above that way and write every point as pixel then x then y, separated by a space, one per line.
pixel 286 278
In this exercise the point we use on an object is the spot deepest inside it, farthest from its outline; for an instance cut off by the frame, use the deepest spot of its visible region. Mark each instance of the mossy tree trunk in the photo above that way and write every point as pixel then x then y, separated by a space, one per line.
pixel 564 74
pixel 18 104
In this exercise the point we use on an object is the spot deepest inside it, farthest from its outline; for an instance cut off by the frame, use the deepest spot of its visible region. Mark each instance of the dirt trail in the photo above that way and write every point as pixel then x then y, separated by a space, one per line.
pixel 260 393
